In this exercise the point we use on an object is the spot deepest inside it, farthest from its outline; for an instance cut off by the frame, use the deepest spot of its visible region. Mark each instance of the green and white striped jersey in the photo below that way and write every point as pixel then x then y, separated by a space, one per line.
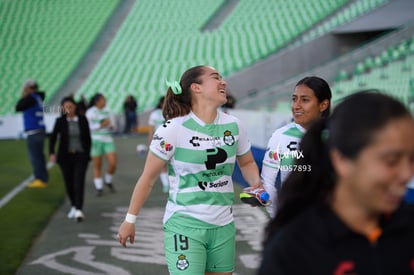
pixel 281 152
pixel 201 160
pixel 156 118
pixel 95 116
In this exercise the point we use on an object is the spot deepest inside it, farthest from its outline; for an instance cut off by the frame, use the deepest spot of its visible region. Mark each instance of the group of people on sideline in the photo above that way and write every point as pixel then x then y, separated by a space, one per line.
pixel 82 132
pixel 336 177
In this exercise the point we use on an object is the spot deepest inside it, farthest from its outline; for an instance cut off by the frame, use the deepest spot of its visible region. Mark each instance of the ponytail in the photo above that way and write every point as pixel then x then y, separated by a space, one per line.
pixel 176 105
pixel 177 102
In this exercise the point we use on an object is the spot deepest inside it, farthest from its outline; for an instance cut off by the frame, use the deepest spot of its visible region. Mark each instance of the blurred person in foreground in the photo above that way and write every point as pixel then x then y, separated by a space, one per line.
pixel 31 104
pixel 347 215
pixel 73 155
pixel 311 100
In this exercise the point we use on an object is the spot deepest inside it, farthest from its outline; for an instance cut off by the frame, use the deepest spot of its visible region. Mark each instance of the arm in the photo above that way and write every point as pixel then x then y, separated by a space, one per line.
pixel 249 170
pixel 270 170
pixel 150 133
pixel 25 102
pixel 268 176
pixel 52 141
pixel 88 139
pixel 143 187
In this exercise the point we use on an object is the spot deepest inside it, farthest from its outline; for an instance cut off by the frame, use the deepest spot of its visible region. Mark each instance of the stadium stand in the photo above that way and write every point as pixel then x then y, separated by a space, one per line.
pixel 45 40
pixel 390 72
pixel 152 47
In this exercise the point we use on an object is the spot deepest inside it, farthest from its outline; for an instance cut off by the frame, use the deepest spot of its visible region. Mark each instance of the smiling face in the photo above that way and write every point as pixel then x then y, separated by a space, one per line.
pixel 306 107
pixel 212 87
pixel 376 180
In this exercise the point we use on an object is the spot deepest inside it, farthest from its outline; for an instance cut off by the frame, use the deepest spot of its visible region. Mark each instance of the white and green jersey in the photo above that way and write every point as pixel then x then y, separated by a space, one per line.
pixel 95 116
pixel 281 152
pixel 156 118
pixel 201 160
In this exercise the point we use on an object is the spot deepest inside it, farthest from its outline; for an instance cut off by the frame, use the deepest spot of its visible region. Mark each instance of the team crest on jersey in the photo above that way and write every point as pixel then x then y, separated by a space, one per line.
pixel 182 263
pixel 228 138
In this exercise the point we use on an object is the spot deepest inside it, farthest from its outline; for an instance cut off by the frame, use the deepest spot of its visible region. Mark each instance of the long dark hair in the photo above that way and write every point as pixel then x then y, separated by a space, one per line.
pixel 320 88
pixel 179 105
pixel 349 130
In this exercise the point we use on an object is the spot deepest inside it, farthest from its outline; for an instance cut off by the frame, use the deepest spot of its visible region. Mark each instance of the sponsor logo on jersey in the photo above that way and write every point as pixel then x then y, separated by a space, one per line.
pixel 165 146
pixel 156 137
pixel 293 152
pixel 273 155
pixel 217 184
pixel 202 185
pixel 215 156
pixel 213 174
pixel 195 141
pixel 345 267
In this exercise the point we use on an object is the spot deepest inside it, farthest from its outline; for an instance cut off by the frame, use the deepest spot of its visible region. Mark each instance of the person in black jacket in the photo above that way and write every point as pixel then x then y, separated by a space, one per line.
pixel 74 136
pixel 347 215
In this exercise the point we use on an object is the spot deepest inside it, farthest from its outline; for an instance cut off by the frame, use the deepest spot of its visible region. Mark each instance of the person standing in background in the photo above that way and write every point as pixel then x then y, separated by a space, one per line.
pixel 31 104
pixel 311 100
pixel 72 131
pixel 155 120
pixel 130 110
pixel 101 125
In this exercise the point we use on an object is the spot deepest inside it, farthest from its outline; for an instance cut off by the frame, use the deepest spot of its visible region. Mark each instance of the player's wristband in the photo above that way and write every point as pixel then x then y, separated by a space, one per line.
pixel 129 218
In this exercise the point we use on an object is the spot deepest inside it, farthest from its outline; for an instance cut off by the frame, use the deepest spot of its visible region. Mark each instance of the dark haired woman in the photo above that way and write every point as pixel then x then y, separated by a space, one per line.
pixel 101 126
pixel 311 100
pixel 72 131
pixel 346 216
pixel 200 145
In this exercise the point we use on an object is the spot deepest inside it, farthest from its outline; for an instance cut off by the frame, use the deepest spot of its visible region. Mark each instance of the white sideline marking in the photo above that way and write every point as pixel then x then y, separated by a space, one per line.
pixel 16 190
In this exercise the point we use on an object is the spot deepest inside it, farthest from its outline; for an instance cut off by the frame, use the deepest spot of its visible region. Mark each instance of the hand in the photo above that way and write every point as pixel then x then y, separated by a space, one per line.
pixel 258 185
pixel 105 122
pixel 126 230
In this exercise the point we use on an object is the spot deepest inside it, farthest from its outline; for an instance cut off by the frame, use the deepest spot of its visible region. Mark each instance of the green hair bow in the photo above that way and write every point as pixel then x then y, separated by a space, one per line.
pixel 175 87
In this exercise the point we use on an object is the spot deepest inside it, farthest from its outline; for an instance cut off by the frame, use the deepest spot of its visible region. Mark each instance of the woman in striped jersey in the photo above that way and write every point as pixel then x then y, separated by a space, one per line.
pixel 101 125
pixel 200 145
pixel 311 100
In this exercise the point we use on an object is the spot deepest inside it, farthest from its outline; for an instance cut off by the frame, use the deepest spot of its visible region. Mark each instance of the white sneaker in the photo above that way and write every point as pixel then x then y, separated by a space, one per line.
pixel 79 215
pixel 71 214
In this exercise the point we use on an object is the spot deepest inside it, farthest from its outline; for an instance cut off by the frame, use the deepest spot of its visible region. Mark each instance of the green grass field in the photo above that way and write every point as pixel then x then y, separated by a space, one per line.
pixel 27 214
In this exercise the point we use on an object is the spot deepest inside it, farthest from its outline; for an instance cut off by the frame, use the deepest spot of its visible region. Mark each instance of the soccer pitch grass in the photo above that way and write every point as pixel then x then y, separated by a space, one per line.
pixel 26 215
